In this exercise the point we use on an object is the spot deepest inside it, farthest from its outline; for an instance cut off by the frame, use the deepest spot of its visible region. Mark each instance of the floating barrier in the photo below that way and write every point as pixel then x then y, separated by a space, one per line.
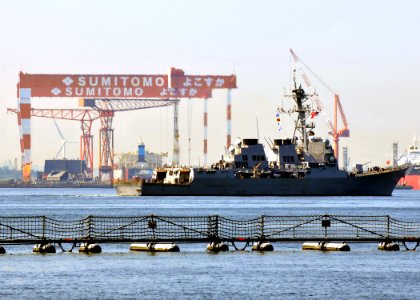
pixel 2 250
pixel 388 246
pixel 90 248
pixel 325 246
pixel 44 248
pixel 262 246
pixel 217 247
pixel 155 247
pixel 213 229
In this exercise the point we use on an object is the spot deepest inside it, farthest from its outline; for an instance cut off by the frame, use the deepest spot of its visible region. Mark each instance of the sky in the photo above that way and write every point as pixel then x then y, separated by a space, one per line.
pixel 368 52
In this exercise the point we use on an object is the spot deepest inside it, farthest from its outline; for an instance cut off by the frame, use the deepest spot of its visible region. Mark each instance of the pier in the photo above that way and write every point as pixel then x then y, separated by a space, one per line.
pixel 152 229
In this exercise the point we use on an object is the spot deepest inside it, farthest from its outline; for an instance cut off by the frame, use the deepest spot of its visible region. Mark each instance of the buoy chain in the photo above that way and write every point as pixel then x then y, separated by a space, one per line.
pixel 64 250
pixel 413 249
pixel 240 249
pixel 322 245
pixel 151 246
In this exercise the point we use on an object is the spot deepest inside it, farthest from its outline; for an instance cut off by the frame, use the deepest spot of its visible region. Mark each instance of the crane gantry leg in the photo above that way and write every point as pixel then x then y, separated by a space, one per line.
pixel 86 145
pixel 106 146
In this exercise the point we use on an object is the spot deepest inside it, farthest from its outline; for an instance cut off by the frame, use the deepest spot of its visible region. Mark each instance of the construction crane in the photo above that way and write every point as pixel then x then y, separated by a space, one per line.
pixel 84 116
pixel 333 127
pixel 111 93
pixel 106 109
pixel 103 109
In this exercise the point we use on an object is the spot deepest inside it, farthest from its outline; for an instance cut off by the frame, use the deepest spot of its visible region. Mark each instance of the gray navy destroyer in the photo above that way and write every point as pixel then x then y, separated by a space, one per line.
pixel 305 165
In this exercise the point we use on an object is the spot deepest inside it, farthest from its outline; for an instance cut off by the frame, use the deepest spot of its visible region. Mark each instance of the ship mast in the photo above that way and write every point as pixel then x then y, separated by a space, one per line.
pixel 300 97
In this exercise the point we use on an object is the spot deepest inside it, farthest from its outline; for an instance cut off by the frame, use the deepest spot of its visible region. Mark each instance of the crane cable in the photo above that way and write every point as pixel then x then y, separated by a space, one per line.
pixel 299 63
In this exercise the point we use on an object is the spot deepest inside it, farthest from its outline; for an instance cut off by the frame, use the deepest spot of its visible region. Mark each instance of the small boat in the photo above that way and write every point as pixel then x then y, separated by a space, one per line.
pixel 403 186
pixel 128 187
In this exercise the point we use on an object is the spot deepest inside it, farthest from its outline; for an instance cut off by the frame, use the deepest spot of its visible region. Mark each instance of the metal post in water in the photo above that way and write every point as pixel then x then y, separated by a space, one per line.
pixel 217 226
pixel 262 227
pixel 326 222
pixel 152 225
pixel 89 220
pixel 43 227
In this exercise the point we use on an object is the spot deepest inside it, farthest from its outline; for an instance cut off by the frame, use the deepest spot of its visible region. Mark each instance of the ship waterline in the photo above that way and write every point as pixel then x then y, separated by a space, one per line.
pixel 219 184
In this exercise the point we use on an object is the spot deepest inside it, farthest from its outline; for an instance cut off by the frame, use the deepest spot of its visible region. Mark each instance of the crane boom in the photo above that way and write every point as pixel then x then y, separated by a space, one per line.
pixel 62 114
pixel 338 108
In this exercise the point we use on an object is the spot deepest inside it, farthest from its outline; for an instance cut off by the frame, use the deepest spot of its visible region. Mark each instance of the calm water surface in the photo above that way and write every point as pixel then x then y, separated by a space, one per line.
pixel 288 272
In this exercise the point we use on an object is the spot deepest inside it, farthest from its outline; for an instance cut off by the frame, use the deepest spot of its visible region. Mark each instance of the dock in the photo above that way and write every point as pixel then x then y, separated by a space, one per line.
pixel 42 230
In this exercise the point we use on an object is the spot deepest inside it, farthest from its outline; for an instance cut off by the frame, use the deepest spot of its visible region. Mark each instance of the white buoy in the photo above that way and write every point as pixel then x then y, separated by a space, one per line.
pixel 44 248
pixel 155 247
pixel 217 247
pixel 326 246
pixel 388 246
pixel 90 248
pixel 265 246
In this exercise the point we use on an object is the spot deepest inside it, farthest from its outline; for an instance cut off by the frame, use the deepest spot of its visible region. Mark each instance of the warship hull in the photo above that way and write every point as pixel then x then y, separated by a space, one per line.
pixel 378 184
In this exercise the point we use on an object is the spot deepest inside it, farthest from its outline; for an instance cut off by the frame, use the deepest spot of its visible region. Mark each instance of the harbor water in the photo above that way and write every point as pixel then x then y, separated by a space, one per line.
pixel 287 272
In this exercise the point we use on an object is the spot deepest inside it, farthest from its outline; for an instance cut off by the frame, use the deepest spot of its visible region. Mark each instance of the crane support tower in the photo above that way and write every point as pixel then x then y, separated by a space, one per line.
pixel 338 108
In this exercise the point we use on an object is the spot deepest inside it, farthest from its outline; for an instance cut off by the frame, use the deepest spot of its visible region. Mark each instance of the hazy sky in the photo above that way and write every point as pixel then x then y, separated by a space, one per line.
pixel 367 51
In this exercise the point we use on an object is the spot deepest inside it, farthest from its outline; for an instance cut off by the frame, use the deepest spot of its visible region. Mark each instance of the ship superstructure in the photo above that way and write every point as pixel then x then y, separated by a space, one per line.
pixel 411 159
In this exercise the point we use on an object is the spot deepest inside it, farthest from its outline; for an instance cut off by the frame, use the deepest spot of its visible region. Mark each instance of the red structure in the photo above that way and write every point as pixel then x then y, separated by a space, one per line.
pixel 106 109
pixel 84 116
pixel 105 94
pixel 99 109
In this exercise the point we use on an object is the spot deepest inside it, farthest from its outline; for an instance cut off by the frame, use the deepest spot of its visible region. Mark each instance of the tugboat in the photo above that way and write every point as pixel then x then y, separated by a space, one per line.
pixel 304 166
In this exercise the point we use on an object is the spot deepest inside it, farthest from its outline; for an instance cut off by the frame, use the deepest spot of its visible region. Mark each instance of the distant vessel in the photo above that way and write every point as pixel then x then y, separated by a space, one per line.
pixel 135 167
pixel 412 159
pixel 304 166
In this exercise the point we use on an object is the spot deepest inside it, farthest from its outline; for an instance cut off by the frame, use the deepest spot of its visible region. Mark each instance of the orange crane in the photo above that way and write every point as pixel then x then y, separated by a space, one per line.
pixel 333 127
pixel 84 116
pixel 107 109
pixel 103 109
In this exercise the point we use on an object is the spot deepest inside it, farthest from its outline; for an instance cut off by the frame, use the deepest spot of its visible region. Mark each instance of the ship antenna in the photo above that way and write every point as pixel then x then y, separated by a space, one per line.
pixel 258 129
